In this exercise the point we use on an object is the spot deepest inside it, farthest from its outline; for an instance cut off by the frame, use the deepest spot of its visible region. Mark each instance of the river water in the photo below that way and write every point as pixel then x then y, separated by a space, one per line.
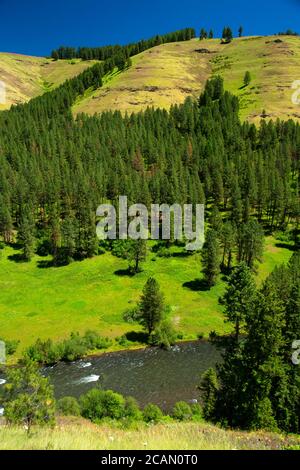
pixel 149 375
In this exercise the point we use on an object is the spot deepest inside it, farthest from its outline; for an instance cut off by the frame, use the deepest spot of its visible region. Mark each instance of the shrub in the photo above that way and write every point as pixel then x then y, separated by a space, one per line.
pixel 197 411
pixel 152 414
pixel 164 336
pixel 132 410
pixel 72 349
pixel 68 406
pixel 182 411
pixel 10 346
pixel 98 404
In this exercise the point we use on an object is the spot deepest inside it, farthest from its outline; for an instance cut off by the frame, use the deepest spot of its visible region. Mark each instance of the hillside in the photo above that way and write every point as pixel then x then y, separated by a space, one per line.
pixel 78 434
pixel 26 77
pixel 168 73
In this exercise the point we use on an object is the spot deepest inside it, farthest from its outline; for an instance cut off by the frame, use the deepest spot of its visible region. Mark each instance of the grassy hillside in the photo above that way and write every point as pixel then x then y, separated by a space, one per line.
pixel 93 294
pixel 168 73
pixel 26 77
pixel 159 77
pixel 78 434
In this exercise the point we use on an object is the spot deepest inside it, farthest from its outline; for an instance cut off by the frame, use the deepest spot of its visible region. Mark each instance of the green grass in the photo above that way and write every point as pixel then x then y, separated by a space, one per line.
pixel 53 302
pixel 77 434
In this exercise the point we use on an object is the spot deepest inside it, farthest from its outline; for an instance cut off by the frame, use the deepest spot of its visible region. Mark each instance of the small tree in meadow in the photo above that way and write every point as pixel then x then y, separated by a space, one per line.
pixel 247 78
pixel 151 306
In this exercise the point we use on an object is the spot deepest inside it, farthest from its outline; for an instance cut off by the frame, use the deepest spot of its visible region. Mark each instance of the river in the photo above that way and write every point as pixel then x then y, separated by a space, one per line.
pixel 149 375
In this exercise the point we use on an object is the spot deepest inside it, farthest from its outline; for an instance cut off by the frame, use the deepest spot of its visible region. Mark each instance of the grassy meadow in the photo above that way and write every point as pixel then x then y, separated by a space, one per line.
pixel 93 294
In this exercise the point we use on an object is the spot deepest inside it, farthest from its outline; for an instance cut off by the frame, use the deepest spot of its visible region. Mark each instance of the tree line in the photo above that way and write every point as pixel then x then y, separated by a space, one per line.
pixel 129 50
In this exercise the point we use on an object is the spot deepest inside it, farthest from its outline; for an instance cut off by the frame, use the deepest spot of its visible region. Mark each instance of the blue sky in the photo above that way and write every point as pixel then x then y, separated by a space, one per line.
pixel 37 26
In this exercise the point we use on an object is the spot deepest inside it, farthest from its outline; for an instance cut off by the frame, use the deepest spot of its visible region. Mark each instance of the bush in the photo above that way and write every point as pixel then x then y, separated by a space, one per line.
pixel 94 341
pixel 132 410
pixel 152 414
pixel 98 404
pixel 10 346
pixel 182 411
pixel 72 349
pixel 197 411
pixel 164 336
pixel 68 406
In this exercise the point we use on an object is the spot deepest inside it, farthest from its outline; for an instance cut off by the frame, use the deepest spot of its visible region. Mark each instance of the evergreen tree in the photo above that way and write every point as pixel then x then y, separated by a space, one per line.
pixel 247 78
pixel 26 233
pixel 28 397
pixel 137 253
pixel 211 258
pixel 151 306
pixel 203 34
pixel 239 298
pixel 241 30
pixel 227 35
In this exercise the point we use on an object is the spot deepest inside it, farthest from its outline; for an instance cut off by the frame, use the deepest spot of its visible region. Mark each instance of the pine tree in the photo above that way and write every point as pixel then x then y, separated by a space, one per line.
pixel 26 233
pixel 136 254
pixel 241 29
pixel 151 306
pixel 239 298
pixel 247 78
pixel 211 34
pixel 203 34
pixel 211 259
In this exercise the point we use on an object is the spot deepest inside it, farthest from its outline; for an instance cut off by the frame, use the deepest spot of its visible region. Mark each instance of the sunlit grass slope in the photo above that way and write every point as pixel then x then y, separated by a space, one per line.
pixel 26 77
pixel 167 74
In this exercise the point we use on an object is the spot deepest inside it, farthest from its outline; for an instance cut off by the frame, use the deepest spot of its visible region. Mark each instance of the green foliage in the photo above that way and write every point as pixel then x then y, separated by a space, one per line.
pixel 72 349
pixel 209 388
pixel 136 254
pixel 28 397
pixel 11 346
pixel 211 258
pixel 152 414
pixel 132 410
pixel 68 406
pixel 151 306
pixel 164 335
pixel 182 411
pixel 98 404
pixel 247 78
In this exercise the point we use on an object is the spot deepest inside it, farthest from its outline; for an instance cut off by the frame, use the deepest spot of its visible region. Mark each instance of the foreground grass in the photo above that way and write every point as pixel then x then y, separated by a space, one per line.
pixel 77 434
pixel 93 294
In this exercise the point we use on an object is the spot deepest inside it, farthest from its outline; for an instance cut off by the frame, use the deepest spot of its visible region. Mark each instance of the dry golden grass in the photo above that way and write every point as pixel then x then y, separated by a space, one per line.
pixel 78 434
pixel 167 74
pixel 26 77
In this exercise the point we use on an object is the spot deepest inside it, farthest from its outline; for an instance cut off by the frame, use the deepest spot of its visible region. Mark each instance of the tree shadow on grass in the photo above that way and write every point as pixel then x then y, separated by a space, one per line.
pixel 45 263
pixel 197 285
pixel 17 258
pixel 182 254
pixel 286 246
pixel 137 337
pixel 125 272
